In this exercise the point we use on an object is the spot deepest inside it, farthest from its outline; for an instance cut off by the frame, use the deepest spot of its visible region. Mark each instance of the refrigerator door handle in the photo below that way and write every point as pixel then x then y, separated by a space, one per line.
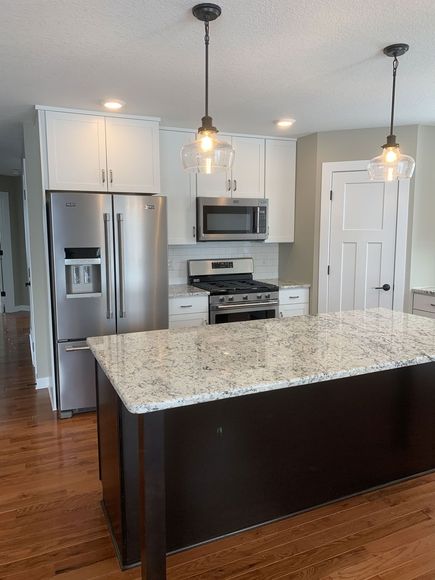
pixel 76 348
pixel 109 310
pixel 122 312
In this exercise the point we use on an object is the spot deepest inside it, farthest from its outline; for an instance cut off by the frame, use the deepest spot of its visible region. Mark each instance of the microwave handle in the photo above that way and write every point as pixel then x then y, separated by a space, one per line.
pixel 258 220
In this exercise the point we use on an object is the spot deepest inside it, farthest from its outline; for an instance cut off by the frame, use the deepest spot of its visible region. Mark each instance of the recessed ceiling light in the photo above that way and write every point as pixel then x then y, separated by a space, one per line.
pixel 113 104
pixel 285 123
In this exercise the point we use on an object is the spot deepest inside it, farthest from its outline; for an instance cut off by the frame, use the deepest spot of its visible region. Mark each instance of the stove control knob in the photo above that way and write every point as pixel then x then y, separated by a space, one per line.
pixel 259 296
pixel 222 299
pixel 230 298
pixel 267 296
pixel 245 297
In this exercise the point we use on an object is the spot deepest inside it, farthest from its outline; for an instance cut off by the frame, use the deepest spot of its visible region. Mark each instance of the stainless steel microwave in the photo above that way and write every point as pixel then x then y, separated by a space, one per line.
pixel 227 218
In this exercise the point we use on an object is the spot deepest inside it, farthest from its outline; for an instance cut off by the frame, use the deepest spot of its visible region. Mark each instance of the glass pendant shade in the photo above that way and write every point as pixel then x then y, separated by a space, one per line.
pixel 207 154
pixel 391 165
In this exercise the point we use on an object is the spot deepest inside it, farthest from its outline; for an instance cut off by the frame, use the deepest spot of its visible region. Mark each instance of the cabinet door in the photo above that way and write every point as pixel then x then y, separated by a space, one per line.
pixel 216 184
pixel 287 311
pixel 76 152
pixel 280 189
pixel 248 168
pixel 132 155
pixel 179 187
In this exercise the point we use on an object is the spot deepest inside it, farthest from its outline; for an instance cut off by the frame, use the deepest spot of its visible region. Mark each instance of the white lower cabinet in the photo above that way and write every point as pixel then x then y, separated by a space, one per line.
pixel 423 305
pixel 188 311
pixel 294 302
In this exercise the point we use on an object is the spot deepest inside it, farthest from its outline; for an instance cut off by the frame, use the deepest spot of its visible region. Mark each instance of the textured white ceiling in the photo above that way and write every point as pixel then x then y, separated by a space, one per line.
pixel 317 61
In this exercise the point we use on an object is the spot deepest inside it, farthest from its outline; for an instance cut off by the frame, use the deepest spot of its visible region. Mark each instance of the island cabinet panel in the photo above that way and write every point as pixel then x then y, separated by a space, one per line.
pixel 228 464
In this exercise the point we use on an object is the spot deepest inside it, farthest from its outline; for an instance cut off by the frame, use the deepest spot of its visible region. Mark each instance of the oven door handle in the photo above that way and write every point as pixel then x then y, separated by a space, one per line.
pixel 243 305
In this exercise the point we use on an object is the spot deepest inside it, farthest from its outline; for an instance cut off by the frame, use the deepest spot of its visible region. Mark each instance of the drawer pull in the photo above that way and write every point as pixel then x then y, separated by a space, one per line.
pixel 186 305
pixel 294 297
pixel 432 304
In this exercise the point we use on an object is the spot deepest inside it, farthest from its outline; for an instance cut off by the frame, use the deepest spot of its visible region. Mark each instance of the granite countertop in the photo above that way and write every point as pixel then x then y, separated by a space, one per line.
pixel 180 290
pixel 284 284
pixel 426 290
pixel 163 369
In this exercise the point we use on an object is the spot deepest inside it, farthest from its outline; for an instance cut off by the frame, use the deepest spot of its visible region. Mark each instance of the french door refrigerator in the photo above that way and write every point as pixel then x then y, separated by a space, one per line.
pixel 109 274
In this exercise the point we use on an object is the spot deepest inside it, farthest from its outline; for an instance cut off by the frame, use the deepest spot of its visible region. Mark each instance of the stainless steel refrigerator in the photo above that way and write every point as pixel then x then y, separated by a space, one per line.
pixel 109 274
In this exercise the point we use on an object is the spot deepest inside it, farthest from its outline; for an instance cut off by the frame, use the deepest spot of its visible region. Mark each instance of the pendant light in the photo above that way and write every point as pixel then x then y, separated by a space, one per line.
pixel 207 154
pixel 392 164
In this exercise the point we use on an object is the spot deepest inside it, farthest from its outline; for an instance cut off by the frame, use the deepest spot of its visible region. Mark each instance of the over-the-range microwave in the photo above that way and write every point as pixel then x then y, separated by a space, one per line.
pixel 226 218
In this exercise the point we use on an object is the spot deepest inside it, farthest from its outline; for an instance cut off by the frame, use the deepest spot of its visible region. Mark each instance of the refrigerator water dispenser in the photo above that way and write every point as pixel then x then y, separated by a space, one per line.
pixel 83 272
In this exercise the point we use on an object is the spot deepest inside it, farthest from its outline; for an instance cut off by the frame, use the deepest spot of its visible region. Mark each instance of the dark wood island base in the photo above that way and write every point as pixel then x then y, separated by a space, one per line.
pixel 211 469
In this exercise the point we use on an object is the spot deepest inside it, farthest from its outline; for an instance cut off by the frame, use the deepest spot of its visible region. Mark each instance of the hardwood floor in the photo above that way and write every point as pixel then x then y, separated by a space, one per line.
pixel 51 522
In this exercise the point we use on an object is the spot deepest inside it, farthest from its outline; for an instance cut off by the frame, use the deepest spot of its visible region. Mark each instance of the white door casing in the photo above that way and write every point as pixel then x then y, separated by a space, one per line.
pixel 7 302
pixel 358 240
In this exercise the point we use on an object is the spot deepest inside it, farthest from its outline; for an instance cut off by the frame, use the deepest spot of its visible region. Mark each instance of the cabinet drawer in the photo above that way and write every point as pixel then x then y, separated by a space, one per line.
pixel 182 321
pixel 293 310
pixel 424 313
pixel 294 296
pixel 423 302
pixel 188 304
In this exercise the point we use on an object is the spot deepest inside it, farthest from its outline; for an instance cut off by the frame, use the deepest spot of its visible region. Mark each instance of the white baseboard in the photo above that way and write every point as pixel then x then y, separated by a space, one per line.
pixel 43 383
pixel 20 308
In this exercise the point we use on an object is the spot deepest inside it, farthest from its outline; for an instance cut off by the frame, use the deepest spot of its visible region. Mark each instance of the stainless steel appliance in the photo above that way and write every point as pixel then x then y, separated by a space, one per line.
pixel 226 218
pixel 109 274
pixel 234 294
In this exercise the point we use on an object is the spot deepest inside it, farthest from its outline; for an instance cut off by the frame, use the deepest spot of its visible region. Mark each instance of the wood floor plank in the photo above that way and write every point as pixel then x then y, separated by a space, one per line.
pixel 52 526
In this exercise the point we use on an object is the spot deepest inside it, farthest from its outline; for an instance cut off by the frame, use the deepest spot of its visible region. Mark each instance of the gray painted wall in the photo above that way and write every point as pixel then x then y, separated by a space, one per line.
pixel 299 261
pixel 13 185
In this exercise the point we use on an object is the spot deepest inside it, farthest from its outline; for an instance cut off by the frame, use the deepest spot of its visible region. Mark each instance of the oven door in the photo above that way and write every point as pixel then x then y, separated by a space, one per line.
pixel 222 313
pixel 223 218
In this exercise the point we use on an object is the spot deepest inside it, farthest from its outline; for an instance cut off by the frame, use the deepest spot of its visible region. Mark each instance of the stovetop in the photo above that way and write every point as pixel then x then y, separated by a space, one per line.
pixel 234 286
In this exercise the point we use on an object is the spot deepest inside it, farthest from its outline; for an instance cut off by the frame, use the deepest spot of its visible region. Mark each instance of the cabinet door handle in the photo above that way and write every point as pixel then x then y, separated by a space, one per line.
pixel 281 315
pixel 103 175
pixel 235 185
pixel 111 175
pixel 433 305
pixel 194 232
pixel 228 184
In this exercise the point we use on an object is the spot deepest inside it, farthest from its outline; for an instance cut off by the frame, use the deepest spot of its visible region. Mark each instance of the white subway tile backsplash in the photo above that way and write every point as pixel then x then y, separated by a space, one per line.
pixel 265 257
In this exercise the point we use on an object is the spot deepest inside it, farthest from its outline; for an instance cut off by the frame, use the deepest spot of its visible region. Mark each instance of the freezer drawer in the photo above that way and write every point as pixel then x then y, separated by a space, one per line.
pixel 76 376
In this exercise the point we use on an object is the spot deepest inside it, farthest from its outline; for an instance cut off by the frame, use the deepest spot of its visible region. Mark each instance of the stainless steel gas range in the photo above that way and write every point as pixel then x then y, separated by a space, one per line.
pixel 234 295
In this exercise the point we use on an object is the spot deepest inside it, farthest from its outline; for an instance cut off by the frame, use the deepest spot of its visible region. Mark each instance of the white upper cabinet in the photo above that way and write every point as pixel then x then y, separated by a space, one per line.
pixel 280 189
pixel 215 184
pixel 96 153
pixel 132 155
pixel 247 176
pixel 248 168
pixel 76 151
pixel 179 187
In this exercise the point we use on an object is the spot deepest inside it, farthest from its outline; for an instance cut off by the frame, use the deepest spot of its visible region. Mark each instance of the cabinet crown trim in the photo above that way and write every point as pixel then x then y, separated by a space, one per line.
pixel 95 113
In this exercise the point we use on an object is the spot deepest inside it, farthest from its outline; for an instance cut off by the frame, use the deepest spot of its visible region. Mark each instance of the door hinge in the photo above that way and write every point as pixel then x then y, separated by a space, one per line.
pixel 330 195
pixel 329 270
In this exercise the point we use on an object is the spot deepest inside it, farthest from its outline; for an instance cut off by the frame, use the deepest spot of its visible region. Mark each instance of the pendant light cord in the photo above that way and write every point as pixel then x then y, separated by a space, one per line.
pixel 393 97
pixel 207 42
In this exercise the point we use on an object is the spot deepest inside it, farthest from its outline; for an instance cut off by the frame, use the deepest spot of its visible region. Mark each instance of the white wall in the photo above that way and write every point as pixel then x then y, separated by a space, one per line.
pixel 265 257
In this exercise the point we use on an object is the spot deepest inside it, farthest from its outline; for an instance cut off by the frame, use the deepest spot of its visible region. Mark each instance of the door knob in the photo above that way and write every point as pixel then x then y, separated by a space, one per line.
pixel 385 287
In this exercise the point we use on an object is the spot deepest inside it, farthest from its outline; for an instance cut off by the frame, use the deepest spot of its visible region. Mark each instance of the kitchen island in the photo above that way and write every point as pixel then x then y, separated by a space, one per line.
pixel 225 427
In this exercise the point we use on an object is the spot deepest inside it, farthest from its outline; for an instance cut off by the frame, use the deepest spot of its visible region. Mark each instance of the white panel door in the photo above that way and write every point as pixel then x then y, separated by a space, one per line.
pixel 179 187
pixel 76 152
pixel 280 189
pixel 362 242
pixel 248 167
pixel 216 184
pixel 133 155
